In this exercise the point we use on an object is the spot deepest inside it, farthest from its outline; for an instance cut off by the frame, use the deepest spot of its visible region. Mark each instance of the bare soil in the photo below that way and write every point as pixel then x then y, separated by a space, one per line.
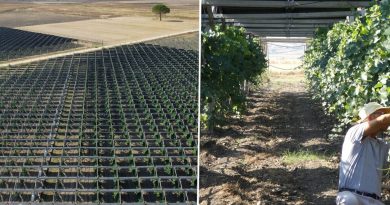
pixel 28 18
pixel 27 13
pixel 98 23
pixel 116 30
pixel 242 162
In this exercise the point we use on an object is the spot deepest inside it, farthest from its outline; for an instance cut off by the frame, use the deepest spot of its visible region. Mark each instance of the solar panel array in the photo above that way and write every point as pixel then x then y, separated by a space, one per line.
pixel 117 125
pixel 15 43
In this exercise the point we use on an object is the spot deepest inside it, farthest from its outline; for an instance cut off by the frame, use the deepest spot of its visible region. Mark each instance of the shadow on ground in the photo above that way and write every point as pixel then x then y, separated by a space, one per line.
pixel 242 163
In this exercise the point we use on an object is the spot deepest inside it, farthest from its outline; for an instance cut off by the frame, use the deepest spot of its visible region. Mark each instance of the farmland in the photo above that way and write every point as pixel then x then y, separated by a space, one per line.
pixel 92 23
pixel 288 144
pixel 187 41
pixel 118 125
pixel 28 13
pixel 17 43
pixel 116 30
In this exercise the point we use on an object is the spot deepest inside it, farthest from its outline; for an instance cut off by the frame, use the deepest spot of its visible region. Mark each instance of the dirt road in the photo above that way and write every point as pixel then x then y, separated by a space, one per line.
pixel 276 154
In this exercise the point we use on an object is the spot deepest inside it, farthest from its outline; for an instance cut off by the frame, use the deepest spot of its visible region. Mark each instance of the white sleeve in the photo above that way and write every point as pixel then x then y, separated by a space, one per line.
pixel 355 133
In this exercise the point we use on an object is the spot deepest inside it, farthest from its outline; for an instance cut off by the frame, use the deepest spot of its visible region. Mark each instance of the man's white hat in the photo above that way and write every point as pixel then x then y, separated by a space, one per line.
pixel 370 108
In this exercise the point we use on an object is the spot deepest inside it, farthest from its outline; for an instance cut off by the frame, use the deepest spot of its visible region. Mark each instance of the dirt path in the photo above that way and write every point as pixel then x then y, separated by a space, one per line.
pixel 247 161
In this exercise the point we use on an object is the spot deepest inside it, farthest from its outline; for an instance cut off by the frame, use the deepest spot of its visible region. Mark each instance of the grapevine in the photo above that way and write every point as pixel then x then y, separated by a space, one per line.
pixel 348 65
pixel 230 57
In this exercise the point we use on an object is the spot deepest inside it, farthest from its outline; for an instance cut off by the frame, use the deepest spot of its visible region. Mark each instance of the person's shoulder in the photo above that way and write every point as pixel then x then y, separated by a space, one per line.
pixel 357 126
pixel 356 132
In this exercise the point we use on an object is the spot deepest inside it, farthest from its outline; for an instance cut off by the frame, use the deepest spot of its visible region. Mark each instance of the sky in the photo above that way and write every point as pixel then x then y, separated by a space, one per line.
pixel 286 50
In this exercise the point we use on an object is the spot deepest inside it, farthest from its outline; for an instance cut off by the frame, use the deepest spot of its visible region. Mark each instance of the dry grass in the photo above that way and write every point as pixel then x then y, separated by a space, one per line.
pixel 103 9
pixel 115 30
pixel 31 13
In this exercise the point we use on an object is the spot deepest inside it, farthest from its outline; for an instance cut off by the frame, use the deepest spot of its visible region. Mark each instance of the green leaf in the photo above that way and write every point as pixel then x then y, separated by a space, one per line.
pixel 349 65
pixel 387 32
pixel 378 85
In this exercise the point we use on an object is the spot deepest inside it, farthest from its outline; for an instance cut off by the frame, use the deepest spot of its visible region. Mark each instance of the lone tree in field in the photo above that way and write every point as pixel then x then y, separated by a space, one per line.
pixel 161 9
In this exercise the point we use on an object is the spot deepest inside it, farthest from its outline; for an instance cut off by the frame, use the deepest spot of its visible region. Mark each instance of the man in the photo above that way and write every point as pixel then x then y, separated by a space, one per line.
pixel 363 158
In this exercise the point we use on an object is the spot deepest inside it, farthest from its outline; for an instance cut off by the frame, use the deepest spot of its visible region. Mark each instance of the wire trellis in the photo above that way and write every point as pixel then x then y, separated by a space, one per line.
pixel 188 41
pixel 16 43
pixel 112 126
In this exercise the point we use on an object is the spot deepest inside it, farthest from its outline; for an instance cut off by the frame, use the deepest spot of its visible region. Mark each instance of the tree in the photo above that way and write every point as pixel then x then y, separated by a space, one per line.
pixel 161 9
